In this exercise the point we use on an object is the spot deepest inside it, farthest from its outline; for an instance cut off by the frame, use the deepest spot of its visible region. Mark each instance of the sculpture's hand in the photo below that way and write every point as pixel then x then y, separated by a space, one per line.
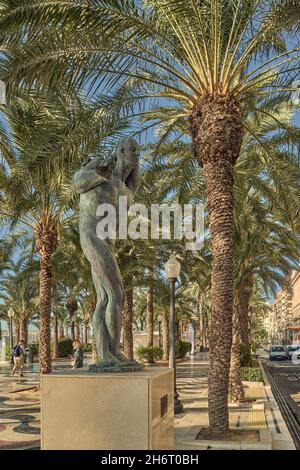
pixel 104 170
pixel 84 180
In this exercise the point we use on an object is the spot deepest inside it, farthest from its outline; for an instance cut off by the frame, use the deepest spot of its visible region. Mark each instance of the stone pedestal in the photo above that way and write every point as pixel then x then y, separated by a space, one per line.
pixel 82 410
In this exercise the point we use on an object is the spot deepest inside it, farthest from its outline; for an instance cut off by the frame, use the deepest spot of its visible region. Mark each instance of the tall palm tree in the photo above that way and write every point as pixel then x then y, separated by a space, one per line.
pixel 150 308
pixel 266 246
pixel 204 63
pixel 48 139
pixel 18 290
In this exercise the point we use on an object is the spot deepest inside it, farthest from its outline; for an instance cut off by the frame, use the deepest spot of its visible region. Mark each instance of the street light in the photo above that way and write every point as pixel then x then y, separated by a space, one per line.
pixel 11 314
pixel 172 268
pixel 159 319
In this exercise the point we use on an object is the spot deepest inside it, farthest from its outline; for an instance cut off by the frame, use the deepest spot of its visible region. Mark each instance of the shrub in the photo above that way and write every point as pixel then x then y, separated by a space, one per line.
pixel 182 348
pixel 88 348
pixel 149 353
pixel 251 374
pixel 245 355
pixel 65 347
pixel 34 348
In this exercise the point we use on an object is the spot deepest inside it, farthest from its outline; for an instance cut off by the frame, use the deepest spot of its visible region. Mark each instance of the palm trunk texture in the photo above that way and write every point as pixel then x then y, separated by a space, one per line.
pixel 55 338
pixel 236 386
pixel 45 312
pixel 24 330
pixel 244 299
pixel 46 243
pixel 150 309
pixel 61 330
pixel 216 128
pixel 16 328
pixel 127 317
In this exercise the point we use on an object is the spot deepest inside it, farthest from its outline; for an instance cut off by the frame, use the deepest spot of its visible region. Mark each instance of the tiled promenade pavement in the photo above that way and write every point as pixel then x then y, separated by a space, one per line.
pixel 20 403
pixel 20 408
pixel 192 388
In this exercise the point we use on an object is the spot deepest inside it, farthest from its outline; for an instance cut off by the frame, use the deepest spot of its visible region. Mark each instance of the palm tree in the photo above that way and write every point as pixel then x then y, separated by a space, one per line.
pixel 48 139
pixel 72 308
pixel 266 246
pixel 150 308
pixel 19 290
pixel 199 55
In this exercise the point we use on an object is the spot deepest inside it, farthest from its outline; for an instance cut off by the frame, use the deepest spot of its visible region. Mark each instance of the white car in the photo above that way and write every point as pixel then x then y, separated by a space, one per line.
pixel 292 348
pixel 277 352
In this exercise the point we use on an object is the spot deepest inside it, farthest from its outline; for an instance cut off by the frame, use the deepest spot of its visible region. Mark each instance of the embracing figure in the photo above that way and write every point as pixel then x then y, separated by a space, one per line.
pixel 103 181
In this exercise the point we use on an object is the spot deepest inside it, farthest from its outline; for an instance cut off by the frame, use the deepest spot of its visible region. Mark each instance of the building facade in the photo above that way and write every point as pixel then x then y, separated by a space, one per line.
pixel 293 327
pixel 283 323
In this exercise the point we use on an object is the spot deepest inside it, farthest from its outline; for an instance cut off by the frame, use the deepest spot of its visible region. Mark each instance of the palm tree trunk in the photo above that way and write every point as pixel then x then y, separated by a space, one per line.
pixel 45 311
pixel 216 128
pixel 61 330
pixel 236 386
pixel 165 335
pixel 55 338
pixel 67 329
pixel 244 299
pixel 46 242
pixel 72 328
pixel 85 332
pixel 24 329
pixel 72 307
pixel 16 332
pixel 150 309
pixel 78 336
pixel 127 317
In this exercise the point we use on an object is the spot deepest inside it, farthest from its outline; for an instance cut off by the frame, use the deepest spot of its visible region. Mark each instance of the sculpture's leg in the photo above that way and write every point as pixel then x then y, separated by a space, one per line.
pixel 101 334
pixel 114 288
pixel 115 294
pixel 101 259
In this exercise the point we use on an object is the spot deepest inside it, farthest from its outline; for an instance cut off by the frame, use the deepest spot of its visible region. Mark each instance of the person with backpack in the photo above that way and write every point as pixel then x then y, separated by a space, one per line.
pixel 18 354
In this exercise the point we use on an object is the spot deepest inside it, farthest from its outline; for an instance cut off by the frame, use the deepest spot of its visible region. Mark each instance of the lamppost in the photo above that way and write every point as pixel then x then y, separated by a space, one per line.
pixel 159 319
pixel 11 336
pixel 172 268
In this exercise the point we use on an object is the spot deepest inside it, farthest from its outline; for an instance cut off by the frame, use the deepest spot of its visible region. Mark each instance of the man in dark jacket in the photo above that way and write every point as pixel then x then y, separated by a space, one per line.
pixel 18 355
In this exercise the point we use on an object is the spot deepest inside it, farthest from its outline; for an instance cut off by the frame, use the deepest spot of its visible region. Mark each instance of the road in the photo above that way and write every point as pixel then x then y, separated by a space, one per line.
pixel 284 377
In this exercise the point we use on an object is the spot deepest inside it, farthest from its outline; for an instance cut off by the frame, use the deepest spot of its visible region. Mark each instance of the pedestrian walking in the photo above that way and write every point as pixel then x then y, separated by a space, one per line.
pixel 18 356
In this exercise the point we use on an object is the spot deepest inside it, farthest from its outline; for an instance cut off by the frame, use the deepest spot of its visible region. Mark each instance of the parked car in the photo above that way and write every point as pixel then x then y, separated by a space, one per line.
pixel 278 352
pixel 291 349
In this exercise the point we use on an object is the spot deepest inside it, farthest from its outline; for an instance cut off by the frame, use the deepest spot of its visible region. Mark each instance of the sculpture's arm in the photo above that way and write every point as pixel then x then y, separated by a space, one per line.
pixel 85 179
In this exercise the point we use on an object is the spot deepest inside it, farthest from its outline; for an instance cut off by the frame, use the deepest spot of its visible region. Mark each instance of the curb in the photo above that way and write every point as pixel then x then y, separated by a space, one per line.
pixel 281 437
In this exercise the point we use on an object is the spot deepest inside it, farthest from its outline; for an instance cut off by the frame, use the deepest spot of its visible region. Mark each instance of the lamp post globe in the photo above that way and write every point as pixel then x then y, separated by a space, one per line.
pixel 159 320
pixel 172 269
